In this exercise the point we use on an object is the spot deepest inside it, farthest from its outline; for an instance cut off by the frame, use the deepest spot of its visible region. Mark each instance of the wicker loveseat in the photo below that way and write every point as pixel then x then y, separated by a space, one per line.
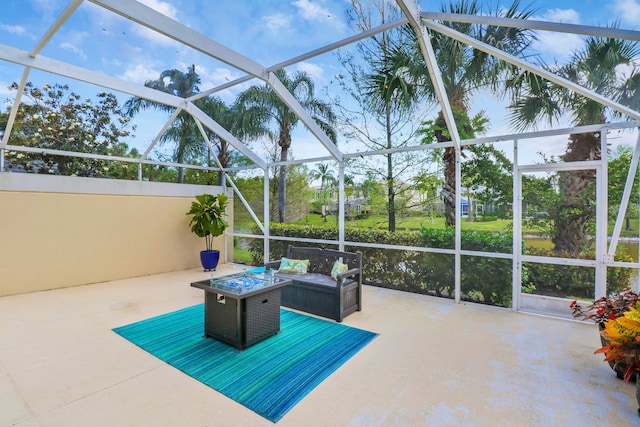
pixel 316 291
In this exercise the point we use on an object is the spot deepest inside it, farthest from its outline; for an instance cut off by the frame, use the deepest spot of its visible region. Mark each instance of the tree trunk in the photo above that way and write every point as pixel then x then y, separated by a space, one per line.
pixel 449 159
pixel 391 190
pixel 224 159
pixel 284 141
pixel 449 186
pixel 282 187
pixel 391 197
pixel 575 211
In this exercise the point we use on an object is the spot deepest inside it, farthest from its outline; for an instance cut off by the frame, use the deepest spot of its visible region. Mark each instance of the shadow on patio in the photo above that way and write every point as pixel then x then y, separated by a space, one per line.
pixel 435 363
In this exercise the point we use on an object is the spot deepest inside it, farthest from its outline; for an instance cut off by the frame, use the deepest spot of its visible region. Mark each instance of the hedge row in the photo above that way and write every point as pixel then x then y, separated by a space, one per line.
pixel 483 279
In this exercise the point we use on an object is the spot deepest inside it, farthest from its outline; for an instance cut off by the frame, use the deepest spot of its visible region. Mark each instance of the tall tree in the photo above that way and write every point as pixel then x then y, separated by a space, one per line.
pixel 189 144
pixel 54 117
pixel 385 95
pixel 535 100
pixel 486 171
pixel 229 117
pixel 263 108
pixel 465 71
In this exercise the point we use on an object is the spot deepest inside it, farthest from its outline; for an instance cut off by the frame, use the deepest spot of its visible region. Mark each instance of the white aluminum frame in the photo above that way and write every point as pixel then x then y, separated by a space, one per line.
pixel 422 22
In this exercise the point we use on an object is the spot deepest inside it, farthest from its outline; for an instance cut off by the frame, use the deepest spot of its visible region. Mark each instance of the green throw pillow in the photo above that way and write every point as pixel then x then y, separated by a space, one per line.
pixel 338 267
pixel 294 266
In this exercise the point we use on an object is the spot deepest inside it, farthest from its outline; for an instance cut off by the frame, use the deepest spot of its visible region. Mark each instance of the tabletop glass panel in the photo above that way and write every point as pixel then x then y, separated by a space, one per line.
pixel 243 282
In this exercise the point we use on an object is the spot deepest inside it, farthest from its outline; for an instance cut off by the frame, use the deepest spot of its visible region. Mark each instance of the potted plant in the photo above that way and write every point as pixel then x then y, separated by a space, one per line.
pixel 623 343
pixel 606 309
pixel 208 221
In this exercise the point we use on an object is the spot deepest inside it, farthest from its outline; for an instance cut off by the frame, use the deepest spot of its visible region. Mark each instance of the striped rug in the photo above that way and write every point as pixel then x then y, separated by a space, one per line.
pixel 269 377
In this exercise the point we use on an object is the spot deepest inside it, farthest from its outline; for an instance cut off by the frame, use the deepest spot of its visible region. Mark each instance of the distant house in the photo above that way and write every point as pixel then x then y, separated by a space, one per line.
pixel 326 202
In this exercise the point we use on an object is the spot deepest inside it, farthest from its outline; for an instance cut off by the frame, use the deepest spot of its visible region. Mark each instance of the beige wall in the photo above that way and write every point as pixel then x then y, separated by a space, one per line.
pixel 58 239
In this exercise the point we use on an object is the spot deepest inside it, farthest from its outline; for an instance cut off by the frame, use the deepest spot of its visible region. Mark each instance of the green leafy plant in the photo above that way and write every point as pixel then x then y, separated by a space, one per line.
pixel 208 217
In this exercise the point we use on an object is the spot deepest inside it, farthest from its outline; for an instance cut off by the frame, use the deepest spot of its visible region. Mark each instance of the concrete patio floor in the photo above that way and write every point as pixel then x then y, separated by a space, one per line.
pixel 435 363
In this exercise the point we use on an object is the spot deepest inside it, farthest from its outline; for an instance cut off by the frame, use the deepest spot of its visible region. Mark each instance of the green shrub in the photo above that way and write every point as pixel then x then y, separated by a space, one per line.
pixel 571 281
pixel 483 279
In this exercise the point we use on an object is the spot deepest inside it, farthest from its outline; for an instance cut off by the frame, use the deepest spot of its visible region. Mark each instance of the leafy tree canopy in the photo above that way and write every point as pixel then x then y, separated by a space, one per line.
pixel 54 117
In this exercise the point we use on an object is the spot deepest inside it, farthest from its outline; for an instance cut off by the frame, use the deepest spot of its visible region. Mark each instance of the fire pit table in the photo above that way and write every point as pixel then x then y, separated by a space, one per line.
pixel 242 309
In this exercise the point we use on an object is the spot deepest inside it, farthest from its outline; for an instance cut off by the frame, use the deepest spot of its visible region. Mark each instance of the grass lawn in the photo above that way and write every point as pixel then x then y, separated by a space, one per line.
pixel 242 255
pixel 414 223
pixel 410 223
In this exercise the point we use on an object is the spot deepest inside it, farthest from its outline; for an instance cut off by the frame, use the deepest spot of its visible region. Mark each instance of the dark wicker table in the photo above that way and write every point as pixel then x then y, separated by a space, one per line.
pixel 242 309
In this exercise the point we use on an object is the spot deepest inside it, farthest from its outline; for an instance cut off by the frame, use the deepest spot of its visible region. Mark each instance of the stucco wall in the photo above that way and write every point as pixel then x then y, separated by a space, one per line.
pixel 59 231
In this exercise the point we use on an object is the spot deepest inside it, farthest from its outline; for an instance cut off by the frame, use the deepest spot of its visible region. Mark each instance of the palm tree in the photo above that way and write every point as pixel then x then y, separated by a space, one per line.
pixel 184 85
pixel 537 100
pixel 262 108
pixel 230 118
pixel 324 174
pixel 465 71
pixel 349 185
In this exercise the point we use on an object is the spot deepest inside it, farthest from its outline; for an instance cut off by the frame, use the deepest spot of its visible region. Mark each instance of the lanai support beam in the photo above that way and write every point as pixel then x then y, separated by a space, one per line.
pixel 308 55
pixel 602 214
pixel 306 118
pixel 531 68
pixel 532 24
pixel 53 29
pixel 155 140
pixel 166 26
pixel 624 203
pixel 14 110
pixel 21 57
pixel 412 12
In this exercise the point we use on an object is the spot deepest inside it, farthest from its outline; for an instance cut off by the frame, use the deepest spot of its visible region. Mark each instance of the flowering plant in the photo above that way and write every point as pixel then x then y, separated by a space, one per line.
pixel 606 308
pixel 623 334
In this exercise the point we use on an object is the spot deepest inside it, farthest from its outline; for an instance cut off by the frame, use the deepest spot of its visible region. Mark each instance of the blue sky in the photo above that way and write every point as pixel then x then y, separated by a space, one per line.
pixel 268 31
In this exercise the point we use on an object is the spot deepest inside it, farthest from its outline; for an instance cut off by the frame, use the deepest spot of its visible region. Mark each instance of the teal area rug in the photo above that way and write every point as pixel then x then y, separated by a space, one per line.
pixel 269 377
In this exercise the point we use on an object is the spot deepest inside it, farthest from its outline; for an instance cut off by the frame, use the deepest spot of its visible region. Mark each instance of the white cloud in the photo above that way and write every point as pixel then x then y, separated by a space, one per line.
pixel 210 79
pixel 48 6
pixel 628 10
pixel 13 29
pixel 565 16
pixel 216 77
pixel 313 11
pixel 558 46
pixel 73 48
pixel 73 42
pixel 164 8
pixel 277 21
pixel 314 71
pixel 138 73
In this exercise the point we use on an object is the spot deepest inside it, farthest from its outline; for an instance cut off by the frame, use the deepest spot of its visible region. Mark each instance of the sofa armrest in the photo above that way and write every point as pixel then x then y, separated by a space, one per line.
pixel 348 273
pixel 272 265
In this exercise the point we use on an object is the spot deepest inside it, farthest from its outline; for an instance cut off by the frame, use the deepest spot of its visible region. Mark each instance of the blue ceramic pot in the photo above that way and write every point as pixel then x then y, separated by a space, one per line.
pixel 209 259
